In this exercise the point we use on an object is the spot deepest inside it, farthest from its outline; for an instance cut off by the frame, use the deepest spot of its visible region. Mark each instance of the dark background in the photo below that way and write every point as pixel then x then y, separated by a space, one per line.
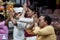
pixel 50 3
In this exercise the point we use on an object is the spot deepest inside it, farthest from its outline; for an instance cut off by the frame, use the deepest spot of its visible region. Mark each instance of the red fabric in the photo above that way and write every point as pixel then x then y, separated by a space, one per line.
pixel 27 35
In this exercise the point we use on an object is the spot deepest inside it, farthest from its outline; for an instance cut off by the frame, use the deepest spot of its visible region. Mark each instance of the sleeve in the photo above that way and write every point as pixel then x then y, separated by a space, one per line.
pixel 2 23
pixel 2 27
pixel 2 31
pixel 21 25
pixel 26 20
pixel 44 31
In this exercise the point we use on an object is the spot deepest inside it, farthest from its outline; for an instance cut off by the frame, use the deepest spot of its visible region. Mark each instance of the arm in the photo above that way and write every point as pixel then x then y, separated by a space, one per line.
pixel 13 21
pixel 26 20
pixel 11 17
pixel 2 31
pixel 23 13
pixel 6 21
pixel 2 27
pixel 44 31
pixel 29 30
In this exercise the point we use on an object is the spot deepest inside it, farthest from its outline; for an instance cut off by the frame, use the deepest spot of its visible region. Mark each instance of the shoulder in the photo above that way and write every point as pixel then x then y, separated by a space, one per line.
pixel 50 27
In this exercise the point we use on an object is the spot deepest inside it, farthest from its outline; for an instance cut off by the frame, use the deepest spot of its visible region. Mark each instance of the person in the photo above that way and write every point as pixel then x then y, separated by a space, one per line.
pixel 18 32
pixel 57 29
pixel 3 29
pixel 28 31
pixel 45 31
pixel 30 14
pixel 19 23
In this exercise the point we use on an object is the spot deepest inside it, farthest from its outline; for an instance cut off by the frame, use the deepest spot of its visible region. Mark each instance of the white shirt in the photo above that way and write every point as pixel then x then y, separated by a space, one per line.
pixel 18 32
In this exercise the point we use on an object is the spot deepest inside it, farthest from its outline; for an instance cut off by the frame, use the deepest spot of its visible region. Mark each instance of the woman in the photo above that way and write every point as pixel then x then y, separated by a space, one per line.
pixel 3 29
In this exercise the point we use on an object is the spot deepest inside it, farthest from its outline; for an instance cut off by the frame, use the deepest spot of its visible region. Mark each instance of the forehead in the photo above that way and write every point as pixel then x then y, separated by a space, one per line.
pixel 41 17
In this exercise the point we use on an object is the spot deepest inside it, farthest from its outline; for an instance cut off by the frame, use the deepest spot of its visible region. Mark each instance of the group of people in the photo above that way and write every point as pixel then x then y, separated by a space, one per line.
pixel 27 25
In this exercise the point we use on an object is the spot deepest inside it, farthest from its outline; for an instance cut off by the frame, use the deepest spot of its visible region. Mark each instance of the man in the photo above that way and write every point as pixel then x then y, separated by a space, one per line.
pixel 19 23
pixel 45 31
pixel 57 29
pixel 18 32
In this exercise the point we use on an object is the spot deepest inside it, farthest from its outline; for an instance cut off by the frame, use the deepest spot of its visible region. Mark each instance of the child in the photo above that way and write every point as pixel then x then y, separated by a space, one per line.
pixel 3 29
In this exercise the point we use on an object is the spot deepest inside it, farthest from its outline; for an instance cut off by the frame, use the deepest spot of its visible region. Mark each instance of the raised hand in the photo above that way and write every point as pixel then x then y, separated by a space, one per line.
pixel 25 7
pixel 11 13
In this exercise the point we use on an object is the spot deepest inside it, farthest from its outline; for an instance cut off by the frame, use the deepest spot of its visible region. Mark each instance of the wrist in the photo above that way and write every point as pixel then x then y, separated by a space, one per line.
pixel 11 18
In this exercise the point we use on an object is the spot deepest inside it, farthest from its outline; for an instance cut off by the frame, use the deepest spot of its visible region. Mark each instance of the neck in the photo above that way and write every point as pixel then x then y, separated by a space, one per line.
pixel 43 26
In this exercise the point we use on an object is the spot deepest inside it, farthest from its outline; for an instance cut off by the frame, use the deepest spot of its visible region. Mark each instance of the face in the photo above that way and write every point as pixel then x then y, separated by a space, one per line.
pixel 29 13
pixel 35 18
pixel 42 23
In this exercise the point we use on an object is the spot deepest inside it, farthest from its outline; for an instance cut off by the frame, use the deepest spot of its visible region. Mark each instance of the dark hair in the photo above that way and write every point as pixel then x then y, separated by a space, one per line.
pixel 32 7
pixel 2 18
pixel 18 5
pixel 48 19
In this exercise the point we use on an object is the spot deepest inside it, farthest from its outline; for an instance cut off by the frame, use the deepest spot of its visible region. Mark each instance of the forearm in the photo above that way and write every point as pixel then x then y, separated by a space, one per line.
pixel 2 31
pixel 13 21
pixel 30 31
pixel 23 13
pixel 30 27
pixel 26 20
pixel 6 21
pixel 45 31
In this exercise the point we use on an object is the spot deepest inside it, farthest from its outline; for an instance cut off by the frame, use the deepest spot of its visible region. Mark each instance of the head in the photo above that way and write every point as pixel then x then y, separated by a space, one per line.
pixel 30 11
pixel 2 18
pixel 18 12
pixel 44 21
